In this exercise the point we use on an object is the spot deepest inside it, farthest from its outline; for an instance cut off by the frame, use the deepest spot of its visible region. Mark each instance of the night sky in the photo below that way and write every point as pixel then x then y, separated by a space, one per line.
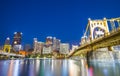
pixel 64 19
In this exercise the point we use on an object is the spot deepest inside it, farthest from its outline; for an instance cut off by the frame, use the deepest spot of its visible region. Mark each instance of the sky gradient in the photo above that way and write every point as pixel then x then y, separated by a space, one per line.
pixel 64 19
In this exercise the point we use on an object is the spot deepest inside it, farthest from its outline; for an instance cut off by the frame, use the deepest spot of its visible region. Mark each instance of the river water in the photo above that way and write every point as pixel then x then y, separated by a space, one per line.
pixel 52 67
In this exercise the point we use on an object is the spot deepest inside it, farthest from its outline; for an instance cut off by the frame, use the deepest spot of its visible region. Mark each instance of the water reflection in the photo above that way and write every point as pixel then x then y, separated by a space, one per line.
pixel 51 67
pixel 105 69
pixel 4 66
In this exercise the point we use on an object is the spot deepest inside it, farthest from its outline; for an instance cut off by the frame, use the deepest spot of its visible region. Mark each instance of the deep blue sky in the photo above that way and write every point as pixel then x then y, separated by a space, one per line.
pixel 64 19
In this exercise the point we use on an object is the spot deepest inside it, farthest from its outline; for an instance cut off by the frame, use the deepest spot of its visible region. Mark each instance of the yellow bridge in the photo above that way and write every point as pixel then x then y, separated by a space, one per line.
pixel 98 35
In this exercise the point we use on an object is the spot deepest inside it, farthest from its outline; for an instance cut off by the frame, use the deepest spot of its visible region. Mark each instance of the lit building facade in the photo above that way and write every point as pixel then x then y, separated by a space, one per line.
pixel 64 48
pixel 51 45
pixel 56 44
pixel 38 46
pixel 49 40
pixel 7 41
pixel 17 41
pixel 47 49
pixel 35 41
pixel 17 38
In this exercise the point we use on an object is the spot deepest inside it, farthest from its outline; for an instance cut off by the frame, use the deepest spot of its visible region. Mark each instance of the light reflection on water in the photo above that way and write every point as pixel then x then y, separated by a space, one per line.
pixel 105 69
pixel 50 67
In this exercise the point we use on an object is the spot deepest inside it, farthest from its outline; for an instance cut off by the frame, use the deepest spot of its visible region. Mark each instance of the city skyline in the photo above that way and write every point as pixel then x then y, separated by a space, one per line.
pixel 63 19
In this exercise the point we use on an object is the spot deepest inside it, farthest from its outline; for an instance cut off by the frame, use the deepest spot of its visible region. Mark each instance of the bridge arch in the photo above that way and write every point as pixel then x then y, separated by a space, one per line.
pixel 98 31
pixel 99 26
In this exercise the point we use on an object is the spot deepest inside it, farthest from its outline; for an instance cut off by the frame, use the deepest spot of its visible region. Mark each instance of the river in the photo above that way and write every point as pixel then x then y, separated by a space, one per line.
pixel 53 67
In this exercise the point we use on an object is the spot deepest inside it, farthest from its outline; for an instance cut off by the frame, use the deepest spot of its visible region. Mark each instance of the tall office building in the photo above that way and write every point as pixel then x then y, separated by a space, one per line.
pixel 56 45
pixel 38 46
pixel 64 48
pixel 35 41
pixel 17 38
pixel 17 41
pixel 47 49
pixel 7 41
pixel 49 40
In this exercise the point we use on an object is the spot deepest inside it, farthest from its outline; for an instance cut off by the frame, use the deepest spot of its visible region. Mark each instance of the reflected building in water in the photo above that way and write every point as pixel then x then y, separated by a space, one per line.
pixel 53 67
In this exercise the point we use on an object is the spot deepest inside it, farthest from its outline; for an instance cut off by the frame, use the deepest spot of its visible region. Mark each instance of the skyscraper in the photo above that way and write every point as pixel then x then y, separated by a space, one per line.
pixel 56 44
pixel 17 38
pixel 17 41
pixel 38 46
pixel 7 41
pixel 47 49
pixel 64 48
pixel 35 44
pixel 49 40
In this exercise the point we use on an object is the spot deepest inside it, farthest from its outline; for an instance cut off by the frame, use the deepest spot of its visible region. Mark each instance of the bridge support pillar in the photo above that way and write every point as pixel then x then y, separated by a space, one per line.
pixel 89 55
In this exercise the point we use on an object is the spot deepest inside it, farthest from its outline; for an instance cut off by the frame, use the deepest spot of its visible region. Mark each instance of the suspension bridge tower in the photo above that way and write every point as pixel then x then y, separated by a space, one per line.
pixel 97 28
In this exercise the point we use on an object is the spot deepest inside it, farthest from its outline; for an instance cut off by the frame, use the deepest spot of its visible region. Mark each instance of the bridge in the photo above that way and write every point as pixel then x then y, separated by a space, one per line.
pixel 7 54
pixel 103 33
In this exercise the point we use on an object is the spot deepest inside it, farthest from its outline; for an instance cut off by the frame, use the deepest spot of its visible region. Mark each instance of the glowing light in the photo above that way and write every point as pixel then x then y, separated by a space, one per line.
pixel 15 42
pixel 89 18
pixel 15 32
pixel 104 18
pixel 8 38
pixel 21 33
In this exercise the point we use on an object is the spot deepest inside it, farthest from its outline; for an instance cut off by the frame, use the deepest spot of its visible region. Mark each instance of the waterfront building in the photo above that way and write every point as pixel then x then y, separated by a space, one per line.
pixel 7 41
pixel 17 38
pixel 35 44
pixel 56 45
pixel 47 49
pixel 38 46
pixel 49 40
pixel 51 45
pixel 64 48
pixel 16 44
